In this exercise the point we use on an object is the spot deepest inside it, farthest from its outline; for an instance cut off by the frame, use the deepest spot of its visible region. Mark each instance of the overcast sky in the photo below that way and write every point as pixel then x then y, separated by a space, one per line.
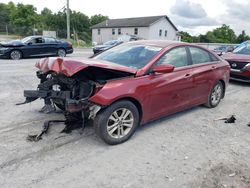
pixel 193 16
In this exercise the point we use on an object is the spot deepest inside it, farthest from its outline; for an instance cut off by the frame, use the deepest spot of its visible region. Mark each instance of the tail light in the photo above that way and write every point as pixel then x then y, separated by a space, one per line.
pixel 70 45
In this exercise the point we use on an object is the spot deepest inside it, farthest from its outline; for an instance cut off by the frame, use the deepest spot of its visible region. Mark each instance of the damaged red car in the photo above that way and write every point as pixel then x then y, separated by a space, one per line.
pixel 239 61
pixel 132 84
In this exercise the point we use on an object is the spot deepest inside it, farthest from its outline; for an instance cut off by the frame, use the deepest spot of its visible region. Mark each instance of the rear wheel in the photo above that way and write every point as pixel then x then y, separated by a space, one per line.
pixel 15 55
pixel 117 123
pixel 215 95
pixel 61 52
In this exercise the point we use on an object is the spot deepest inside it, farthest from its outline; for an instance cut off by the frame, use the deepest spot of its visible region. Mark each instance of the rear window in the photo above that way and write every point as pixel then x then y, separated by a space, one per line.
pixel 50 40
pixel 199 55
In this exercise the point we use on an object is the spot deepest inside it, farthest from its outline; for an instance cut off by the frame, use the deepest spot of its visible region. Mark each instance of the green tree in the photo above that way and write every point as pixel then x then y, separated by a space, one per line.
pixel 242 37
pixel 186 37
pixel 24 17
pixel 46 19
pixel 4 14
pixel 224 34
pixel 98 18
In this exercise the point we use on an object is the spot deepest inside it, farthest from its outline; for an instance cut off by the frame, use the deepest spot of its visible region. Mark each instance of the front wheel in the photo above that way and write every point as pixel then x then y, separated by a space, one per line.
pixel 117 123
pixel 15 55
pixel 215 95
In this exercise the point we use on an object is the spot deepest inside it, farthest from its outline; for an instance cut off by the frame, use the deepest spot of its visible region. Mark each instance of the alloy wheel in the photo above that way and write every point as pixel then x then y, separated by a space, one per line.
pixel 120 123
pixel 216 94
pixel 15 55
pixel 61 53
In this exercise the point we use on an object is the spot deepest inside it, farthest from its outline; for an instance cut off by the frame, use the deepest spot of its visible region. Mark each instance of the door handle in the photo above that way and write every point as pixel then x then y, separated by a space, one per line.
pixel 213 67
pixel 187 75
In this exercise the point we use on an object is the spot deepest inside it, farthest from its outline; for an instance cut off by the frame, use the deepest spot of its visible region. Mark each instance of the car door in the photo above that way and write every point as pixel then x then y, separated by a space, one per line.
pixel 205 65
pixel 171 91
pixel 52 45
pixel 36 47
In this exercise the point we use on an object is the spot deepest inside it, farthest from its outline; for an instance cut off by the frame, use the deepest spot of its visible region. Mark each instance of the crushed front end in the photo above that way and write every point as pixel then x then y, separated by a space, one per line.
pixel 69 85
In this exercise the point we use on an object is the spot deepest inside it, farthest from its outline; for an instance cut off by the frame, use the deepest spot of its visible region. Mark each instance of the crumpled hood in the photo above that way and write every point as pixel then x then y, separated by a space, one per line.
pixel 13 43
pixel 71 67
pixel 236 57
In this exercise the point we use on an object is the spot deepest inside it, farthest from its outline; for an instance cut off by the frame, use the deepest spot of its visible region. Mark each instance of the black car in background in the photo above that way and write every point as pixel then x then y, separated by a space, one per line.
pixel 106 46
pixel 34 46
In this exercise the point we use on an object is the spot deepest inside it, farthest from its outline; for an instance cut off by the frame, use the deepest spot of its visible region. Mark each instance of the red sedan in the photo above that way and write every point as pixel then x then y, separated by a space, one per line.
pixel 132 84
pixel 239 61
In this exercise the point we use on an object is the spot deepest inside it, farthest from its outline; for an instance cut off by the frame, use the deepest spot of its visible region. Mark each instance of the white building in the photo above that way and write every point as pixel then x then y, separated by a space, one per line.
pixel 153 27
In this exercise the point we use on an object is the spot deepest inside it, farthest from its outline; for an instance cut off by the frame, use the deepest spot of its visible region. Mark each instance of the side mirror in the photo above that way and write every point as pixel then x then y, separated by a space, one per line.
pixel 29 43
pixel 164 68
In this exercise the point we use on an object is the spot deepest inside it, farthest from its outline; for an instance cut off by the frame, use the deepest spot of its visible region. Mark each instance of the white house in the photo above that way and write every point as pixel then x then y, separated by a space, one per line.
pixel 153 27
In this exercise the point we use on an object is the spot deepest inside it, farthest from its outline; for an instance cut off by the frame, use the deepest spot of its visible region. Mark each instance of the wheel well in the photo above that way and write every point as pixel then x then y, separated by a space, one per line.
pixel 135 102
pixel 62 48
pixel 224 87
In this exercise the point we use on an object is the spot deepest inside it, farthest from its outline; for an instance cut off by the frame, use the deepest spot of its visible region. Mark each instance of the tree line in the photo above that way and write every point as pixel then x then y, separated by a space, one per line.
pixel 21 19
pixel 223 34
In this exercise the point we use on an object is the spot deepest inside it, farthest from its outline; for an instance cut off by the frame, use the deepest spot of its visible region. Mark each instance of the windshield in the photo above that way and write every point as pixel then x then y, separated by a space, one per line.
pixel 26 39
pixel 243 49
pixel 129 55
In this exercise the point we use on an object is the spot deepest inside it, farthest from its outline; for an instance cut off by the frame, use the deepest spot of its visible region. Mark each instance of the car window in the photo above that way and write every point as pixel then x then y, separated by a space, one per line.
pixel 26 39
pixel 38 40
pixel 176 57
pixel 130 55
pixel 50 40
pixel 199 55
pixel 243 49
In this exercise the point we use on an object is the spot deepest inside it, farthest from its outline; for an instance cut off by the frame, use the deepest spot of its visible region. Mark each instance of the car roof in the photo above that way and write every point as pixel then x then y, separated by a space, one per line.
pixel 158 43
pixel 36 36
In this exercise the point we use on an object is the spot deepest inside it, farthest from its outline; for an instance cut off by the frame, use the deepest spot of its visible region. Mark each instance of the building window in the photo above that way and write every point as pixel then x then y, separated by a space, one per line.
pixel 119 31
pixel 166 33
pixel 136 31
pixel 113 31
pixel 160 32
pixel 99 31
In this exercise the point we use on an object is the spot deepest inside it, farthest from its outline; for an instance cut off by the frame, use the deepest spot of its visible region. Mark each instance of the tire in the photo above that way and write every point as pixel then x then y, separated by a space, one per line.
pixel 61 52
pixel 215 95
pixel 121 118
pixel 15 54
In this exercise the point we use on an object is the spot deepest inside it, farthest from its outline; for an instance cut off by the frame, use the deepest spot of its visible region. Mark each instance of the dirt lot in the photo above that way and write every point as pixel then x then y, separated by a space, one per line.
pixel 188 149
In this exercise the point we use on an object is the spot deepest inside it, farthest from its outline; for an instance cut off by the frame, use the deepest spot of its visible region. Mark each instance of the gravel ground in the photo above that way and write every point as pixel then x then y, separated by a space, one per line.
pixel 188 149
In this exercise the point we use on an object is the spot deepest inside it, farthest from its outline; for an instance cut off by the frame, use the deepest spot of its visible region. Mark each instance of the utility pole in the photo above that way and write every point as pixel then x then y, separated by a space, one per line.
pixel 68 20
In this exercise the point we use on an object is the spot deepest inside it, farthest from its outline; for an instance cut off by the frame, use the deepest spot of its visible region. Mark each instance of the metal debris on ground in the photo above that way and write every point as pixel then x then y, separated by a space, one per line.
pixel 230 119
pixel 46 125
pixel 72 121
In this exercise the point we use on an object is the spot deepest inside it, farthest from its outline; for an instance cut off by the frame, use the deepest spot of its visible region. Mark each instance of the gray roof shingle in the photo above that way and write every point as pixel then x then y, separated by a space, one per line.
pixel 131 22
